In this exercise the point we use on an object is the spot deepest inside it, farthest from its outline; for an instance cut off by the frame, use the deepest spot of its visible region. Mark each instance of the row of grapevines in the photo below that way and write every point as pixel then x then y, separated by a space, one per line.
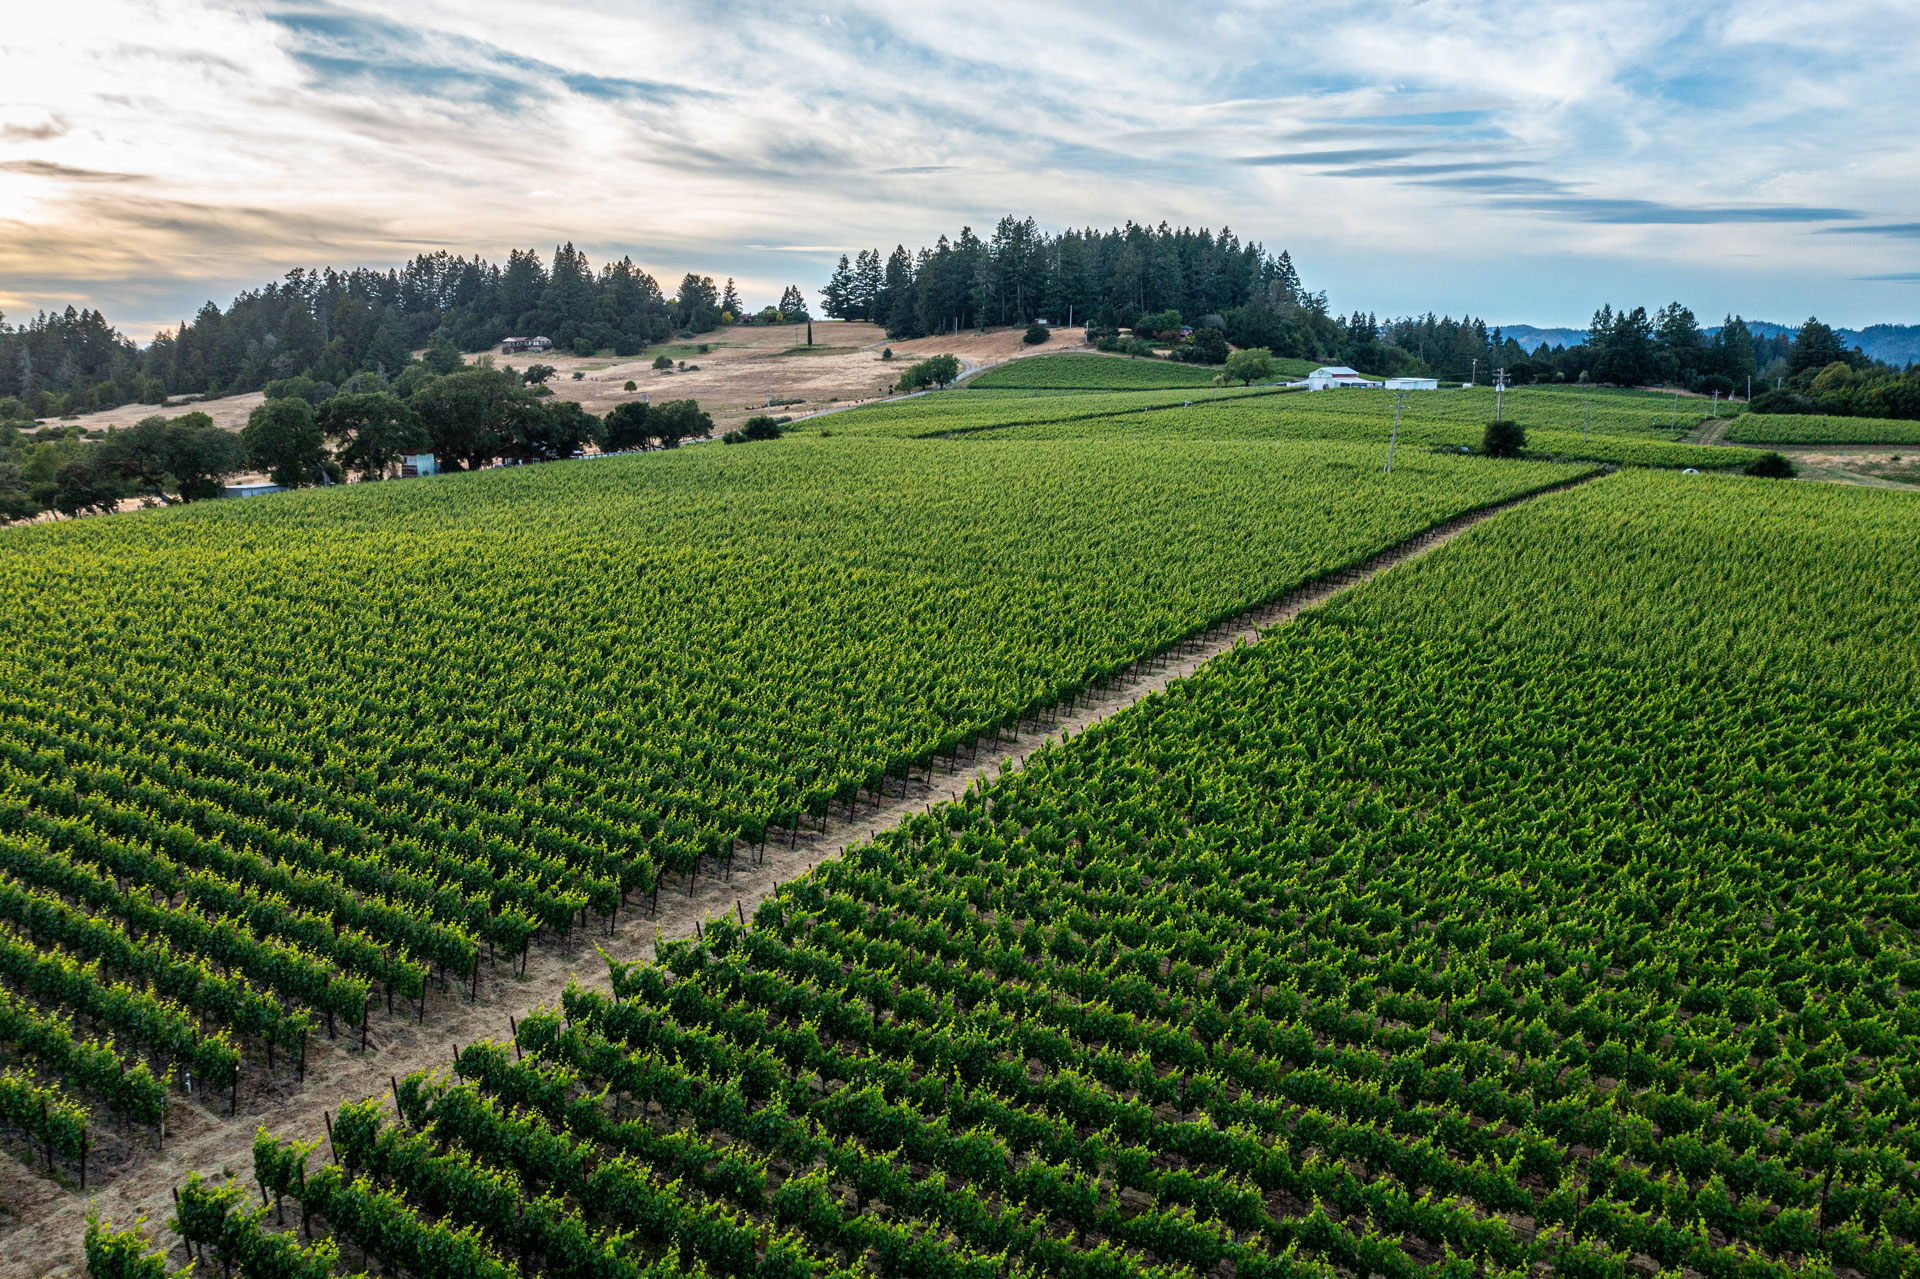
pixel 217 1218
pixel 158 1024
pixel 229 1000
pixel 49 1042
pixel 43 1113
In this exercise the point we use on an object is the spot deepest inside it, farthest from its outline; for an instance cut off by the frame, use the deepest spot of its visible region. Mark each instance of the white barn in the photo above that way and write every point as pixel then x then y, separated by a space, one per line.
pixel 1335 377
pixel 1413 384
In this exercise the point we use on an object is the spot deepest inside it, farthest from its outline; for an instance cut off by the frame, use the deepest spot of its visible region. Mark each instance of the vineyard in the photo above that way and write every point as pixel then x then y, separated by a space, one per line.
pixel 1368 951
pixel 1111 373
pixel 1545 904
pixel 1787 428
pixel 1357 417
pixel 306 767
pixel 1628 428
pixel 967 410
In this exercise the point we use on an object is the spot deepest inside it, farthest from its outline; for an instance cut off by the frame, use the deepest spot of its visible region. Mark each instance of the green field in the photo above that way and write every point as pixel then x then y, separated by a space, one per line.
pixel 1092 373
pixel 1430 936
pixel 964 410
pixel 1111 373
pixel 1790 428
pixel 1440 420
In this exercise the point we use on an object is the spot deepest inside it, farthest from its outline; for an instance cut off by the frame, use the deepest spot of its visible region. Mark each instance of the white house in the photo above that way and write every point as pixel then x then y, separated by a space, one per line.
pixel 1413 384
pixel 414 464
pixel 1335 377
pixel 257 488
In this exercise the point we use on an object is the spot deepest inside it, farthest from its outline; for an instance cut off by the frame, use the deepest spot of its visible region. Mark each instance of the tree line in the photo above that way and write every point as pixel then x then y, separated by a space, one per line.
pixel 1020 274
pixel 306 433
pixel 331 325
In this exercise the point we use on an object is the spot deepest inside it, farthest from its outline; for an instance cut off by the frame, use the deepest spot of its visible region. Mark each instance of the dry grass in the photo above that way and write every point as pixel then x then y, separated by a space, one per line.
pixel 742 369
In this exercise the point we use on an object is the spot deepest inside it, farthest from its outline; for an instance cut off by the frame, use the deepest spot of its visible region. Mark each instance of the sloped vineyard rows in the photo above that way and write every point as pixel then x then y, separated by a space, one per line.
pixel 303 758
pixel 1377 948
pixel 1790 428
pixel 1450 420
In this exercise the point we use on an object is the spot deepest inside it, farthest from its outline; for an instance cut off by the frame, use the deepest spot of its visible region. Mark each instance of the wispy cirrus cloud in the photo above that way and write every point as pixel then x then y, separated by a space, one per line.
pixel 152 152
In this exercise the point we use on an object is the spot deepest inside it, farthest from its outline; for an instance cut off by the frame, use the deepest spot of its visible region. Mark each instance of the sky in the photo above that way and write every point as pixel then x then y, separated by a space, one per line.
pixel 1523 162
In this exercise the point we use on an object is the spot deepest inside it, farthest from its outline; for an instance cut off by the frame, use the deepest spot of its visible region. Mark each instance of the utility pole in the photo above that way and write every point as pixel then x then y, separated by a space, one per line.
pixel 1716 404
pixel 1589 423
pixel 1399 402
pixel 1749 388
pixel 1472 369
pixel 1675 423
pixel 1499 390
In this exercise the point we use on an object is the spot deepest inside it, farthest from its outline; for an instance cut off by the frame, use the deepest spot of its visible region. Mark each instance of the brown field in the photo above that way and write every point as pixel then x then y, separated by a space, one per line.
pixel 740 371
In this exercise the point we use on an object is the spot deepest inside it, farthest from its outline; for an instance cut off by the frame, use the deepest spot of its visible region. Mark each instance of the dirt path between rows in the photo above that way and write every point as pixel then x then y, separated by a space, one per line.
pixel 44 1223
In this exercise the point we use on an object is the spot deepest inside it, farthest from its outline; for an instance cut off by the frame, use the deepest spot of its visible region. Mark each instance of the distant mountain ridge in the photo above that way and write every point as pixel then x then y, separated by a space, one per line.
pixel 1897 344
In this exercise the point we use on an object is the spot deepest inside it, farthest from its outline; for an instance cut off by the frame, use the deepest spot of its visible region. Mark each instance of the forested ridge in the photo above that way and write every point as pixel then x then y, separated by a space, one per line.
pixel 332 324
pixel 1205 289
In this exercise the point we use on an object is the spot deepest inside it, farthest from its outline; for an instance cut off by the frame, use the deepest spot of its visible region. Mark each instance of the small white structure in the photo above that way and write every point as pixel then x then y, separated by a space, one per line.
pixel 1413 384
pixel 417 464
pixel 257 488
pixel 509 345
pixel 1333 377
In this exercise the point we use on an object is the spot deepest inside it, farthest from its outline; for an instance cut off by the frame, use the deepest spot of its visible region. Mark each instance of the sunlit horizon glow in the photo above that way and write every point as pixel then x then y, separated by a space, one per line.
pixel 1520 163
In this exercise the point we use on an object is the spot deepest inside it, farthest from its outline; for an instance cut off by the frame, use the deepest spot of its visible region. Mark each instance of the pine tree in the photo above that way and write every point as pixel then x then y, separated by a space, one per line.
pixel 730 300
pixel 838 293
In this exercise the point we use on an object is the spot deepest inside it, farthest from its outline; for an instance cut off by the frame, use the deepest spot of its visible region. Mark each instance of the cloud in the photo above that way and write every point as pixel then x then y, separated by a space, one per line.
pixel 1655 213
pixel 48 169
pixel 1348 156
pixel 46 131
pixel 1515 176
pixel 1910 229
pixel 1497 183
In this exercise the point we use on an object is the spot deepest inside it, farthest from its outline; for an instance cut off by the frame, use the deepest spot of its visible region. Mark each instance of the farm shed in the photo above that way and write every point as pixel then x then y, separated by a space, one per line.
pixel 1335 377
pixel 1413 384
pixel 417 464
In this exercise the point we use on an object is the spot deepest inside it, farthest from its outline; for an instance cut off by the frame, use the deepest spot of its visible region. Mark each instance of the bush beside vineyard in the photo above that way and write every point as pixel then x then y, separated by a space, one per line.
pixel 1376 948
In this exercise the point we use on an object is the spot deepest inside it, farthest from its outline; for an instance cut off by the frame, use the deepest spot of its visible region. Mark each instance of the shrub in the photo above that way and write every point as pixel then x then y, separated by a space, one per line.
pixel 632 385
pixel 887 354
pixel 937 370
pixel 1036 334
pixel 663 361
pixel 577 375
pixel 538 373
pixel 583 346
pixel 1503 438
pixel 758 427
pixel 1772 466
pixel 1255 364
pixel 1206 346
